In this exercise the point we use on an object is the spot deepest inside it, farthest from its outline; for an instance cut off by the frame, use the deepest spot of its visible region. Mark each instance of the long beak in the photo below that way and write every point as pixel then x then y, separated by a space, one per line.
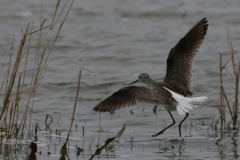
pixel 134 82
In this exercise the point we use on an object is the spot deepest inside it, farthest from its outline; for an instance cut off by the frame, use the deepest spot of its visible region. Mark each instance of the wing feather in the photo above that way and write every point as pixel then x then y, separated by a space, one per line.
pixel 126 97
pixel 180 58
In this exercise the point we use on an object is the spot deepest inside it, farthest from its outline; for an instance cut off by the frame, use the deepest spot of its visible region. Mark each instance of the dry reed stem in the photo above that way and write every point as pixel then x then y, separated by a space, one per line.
pixel 13 119
pixel 51 25
pixel 236 71
pixel 28 107
pixel 62 10
pixel 10 118
pixel 14 72
pixel 222 103
pixel 26 70
pixel 24 115
pixel 40 57
pixel 2 82
pixel 229 107
pixel 9 127
pixel 59 29
pixel 99 123
pixel 1 135
pixel 5 118
pixel 18 91
pixel 39 78
pixel 57 5
pixel 7 74
pixel 75 104
pixel 9 67
pixel 30 119
pixel 30 37
pixel 234 109
pixel 38 51
pixel 46 41
pixel 17 113
pixel 43 72
pixel 24 75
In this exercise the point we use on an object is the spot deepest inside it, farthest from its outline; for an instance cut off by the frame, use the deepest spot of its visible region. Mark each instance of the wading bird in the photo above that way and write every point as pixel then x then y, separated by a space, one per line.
pixel 174 93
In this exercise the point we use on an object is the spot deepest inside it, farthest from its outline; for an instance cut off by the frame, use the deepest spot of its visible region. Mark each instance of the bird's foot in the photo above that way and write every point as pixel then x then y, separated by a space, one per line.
pixel 155 135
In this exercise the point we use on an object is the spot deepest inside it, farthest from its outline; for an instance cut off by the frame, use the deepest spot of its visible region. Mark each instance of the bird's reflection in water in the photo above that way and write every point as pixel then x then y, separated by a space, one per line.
pixel 175 146
pixel 178 146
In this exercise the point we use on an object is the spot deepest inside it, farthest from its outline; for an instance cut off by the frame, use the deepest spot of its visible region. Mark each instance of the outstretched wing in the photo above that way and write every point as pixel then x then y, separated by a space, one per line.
pixel 126 97
pixel 180 58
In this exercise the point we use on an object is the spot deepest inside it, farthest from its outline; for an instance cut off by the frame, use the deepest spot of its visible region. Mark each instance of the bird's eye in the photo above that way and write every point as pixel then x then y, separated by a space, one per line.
pixel 139 76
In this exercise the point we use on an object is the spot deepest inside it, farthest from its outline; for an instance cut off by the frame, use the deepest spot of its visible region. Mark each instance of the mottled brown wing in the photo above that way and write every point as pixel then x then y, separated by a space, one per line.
pixel 180 58
pixel 126 97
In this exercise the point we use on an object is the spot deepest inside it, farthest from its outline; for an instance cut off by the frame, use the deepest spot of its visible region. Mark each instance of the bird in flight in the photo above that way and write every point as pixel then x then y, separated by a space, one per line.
pixel 174 93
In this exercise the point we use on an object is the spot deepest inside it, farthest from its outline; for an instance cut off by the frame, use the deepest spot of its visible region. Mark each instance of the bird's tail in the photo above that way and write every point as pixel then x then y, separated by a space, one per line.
pixel 186 103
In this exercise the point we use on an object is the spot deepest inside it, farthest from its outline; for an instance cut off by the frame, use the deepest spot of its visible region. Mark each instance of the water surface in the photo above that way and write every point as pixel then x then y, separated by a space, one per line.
pixel 120 40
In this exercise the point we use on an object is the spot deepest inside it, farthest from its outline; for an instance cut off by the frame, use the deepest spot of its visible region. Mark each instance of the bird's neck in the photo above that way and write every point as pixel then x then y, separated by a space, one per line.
pixel 150 83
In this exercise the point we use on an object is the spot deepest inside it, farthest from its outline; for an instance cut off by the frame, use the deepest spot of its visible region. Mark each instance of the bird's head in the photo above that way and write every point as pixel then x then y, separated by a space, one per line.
pixel 143 77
